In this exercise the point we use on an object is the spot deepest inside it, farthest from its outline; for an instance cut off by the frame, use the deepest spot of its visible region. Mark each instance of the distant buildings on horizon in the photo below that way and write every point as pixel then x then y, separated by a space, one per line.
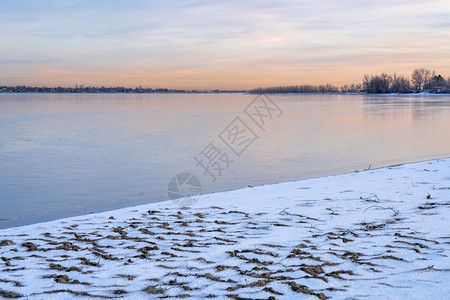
pixel 92 90
pixel 422 80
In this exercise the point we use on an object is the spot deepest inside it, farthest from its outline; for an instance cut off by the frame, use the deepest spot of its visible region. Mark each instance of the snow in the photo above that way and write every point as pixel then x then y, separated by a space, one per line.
pixel 374 234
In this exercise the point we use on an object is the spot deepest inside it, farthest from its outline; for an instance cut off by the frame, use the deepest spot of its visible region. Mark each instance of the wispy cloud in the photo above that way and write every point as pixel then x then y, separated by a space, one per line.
pixel 231 44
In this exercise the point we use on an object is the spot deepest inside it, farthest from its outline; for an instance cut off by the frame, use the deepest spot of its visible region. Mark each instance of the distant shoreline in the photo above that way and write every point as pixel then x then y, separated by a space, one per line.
pixel 228 92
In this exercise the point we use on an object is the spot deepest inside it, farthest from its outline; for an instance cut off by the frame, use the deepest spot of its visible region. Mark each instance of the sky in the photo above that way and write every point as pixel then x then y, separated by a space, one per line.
pixel 224 44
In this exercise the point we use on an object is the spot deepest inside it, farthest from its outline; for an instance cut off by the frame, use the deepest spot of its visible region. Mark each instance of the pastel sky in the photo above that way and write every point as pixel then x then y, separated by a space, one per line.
pixel 218 44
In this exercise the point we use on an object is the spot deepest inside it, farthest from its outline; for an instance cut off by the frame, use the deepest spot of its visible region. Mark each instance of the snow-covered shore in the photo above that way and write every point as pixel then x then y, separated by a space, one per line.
pixel 376 234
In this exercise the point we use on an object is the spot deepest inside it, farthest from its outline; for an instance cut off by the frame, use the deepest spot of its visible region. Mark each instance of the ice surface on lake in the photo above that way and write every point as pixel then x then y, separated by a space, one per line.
pixel 66 155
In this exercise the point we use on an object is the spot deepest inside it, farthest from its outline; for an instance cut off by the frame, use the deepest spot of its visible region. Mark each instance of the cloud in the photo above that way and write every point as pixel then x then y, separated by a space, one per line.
pixel 176 40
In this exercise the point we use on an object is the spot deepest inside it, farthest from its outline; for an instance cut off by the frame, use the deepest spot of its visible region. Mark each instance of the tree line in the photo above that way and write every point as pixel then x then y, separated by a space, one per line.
pixel 422 80
pixel 327 88
pixel 93 90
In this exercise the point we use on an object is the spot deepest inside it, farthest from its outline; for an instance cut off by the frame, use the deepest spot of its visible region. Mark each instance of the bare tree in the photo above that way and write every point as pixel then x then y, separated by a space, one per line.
pixel 420 77
pixel 366 83
pixel 386 81
pixel 378 84
pixel 400 84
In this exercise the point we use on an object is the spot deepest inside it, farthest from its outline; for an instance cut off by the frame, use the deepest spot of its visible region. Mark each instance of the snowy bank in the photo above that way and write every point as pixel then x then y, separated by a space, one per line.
pixel 374 234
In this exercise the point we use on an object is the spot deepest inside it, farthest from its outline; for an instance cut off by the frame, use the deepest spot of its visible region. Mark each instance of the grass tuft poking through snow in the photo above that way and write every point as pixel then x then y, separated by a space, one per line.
pixel 375 234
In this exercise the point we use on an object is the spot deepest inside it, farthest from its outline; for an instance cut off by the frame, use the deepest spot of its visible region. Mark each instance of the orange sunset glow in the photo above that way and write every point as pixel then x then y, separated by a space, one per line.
pixel 226 45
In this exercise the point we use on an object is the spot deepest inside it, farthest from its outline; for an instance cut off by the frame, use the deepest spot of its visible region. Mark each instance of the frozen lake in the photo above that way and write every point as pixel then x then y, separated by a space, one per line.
pixel 64 155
